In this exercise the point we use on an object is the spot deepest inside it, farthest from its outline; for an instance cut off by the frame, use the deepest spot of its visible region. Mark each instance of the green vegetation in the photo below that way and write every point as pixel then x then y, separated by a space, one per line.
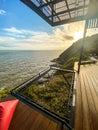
pixel 69 56
pixel 53 96
pixel 4 93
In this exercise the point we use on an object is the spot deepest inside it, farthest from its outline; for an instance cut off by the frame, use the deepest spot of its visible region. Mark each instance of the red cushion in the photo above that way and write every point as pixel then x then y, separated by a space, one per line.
pixel 6 113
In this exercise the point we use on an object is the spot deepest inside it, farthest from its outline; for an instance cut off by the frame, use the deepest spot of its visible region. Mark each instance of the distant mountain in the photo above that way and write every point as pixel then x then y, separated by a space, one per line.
pixel 73 52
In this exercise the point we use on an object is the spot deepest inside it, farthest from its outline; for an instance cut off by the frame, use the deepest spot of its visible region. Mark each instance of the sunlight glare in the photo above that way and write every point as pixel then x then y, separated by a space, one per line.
pixel 78 35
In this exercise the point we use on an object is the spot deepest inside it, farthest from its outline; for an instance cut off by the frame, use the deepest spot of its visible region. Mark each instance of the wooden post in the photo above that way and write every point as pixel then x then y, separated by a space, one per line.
pixel 82 46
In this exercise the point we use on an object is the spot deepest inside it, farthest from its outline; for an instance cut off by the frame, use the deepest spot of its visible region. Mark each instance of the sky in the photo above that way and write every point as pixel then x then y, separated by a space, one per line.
pixel 22 29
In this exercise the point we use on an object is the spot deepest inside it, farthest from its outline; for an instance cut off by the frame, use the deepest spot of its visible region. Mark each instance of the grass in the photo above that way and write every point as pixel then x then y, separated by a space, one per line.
pixel 53 96
pixel 4 93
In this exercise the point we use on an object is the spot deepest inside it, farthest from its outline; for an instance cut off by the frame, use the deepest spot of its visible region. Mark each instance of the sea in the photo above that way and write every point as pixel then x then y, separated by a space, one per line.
pixel 18 66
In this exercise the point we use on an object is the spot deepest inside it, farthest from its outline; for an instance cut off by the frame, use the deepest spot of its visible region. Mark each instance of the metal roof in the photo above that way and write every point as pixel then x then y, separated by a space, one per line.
pixel 57 12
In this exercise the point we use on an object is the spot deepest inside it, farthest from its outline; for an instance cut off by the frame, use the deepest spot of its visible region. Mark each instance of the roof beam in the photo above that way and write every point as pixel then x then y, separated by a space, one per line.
pixel 46 4
pixel 32 6
pixel 51 2
pixel 57 1
pixel 53 11
pixel 84 7
pixel 68 8
pixel 79 18
pixel 46 9
pixel 66 11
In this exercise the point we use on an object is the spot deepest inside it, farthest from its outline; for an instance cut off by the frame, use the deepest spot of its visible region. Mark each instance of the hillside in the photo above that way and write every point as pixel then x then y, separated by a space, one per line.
pixel 69 56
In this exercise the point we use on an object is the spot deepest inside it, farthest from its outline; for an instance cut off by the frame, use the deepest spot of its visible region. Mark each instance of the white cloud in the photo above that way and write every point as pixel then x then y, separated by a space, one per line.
pixel 20 31
pixel 2 12
pixel 12 30
pixel 60 38
pixel 37 40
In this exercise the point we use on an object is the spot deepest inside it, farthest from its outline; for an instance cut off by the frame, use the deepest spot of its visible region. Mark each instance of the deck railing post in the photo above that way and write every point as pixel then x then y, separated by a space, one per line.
pixel 82 46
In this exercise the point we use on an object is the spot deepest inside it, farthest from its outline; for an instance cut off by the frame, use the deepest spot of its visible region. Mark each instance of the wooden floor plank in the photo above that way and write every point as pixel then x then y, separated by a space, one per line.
pixel 79 112
pixel 93 85
pixel 25 118
pixel 89 98
pixel 86 113
pixel 37 122
pixel 91 103
pixel 94 78
pixel 52 126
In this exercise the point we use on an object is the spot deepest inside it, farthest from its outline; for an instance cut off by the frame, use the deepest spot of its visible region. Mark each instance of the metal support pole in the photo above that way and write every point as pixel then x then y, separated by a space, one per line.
pixel 82 46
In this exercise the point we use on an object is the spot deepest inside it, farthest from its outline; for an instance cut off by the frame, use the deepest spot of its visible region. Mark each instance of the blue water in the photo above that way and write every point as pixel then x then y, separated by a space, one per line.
pixel 18 66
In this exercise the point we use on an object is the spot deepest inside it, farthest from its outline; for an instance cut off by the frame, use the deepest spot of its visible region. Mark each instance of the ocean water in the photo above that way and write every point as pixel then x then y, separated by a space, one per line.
pixel 19 66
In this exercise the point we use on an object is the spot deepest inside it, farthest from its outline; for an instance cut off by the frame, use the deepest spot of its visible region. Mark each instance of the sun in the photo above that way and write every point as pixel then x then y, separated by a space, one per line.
pixel 78 35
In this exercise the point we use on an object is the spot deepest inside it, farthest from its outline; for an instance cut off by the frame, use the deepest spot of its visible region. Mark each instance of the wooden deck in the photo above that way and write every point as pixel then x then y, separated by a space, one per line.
pixel 86 115
pixel 86 109
pixel 25 118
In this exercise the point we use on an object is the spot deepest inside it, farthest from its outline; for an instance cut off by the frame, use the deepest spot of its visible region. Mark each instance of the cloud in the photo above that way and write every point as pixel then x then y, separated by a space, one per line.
pixel 61 35
pixel 21 31
pixel 36 40
pixel 13 30
pixel 60 38
pixel 74 27
pixel 2 12
pixel 67 37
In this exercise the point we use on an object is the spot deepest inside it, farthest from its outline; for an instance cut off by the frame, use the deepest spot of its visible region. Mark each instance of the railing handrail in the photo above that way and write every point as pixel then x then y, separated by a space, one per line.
pixel 42 73
pixel 44 111
pixel 32 78
pixel 15 92
pixel 64 70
